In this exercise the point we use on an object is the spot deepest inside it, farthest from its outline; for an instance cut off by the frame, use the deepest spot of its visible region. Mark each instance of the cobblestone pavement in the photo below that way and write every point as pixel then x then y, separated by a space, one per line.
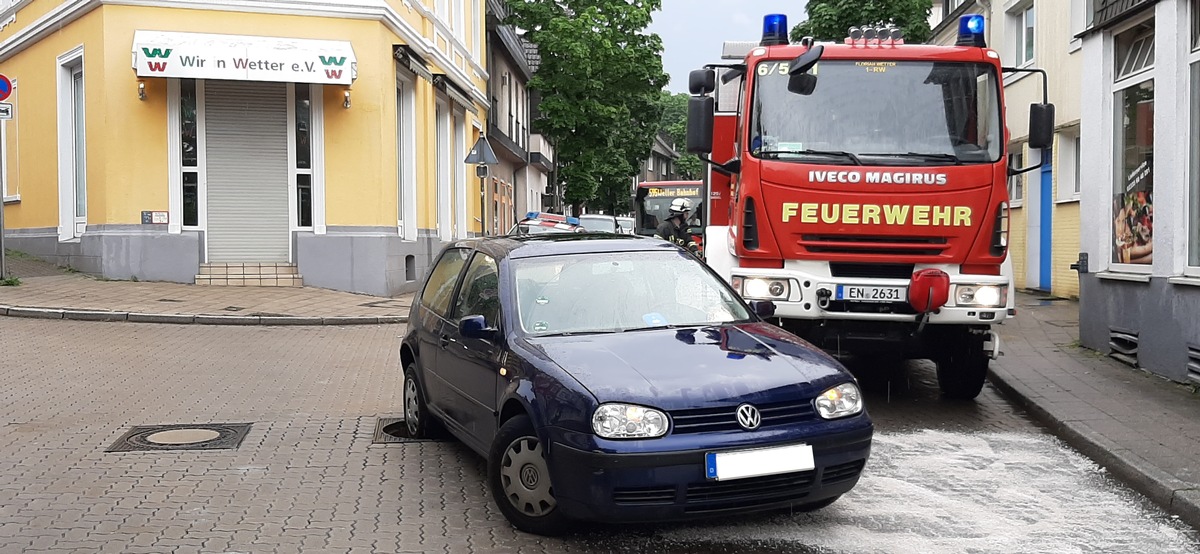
pixel 308 477
pixel 44 286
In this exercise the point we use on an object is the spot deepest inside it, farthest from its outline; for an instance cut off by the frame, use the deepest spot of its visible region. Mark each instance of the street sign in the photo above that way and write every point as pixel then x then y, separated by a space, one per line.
pixel 5 88
pixel 6 110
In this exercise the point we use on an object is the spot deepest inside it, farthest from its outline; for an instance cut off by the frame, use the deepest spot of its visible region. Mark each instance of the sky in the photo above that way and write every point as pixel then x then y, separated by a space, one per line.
pixel 694 30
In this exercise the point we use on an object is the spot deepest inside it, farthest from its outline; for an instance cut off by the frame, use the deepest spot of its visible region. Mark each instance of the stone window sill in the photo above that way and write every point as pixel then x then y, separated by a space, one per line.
pixel 1131 277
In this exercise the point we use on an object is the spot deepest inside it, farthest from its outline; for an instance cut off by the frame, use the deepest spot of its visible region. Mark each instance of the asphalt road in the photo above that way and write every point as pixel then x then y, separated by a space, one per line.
pixel 944 476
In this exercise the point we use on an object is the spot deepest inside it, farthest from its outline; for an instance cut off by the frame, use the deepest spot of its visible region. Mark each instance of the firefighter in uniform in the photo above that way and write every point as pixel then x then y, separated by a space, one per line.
pixel 674 229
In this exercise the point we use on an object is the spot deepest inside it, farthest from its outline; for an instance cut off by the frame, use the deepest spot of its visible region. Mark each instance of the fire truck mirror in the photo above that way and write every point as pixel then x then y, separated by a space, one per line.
pixel 702 81
pixel 803 84
pixel 807 60
pixel 1041 125
pixel 700 124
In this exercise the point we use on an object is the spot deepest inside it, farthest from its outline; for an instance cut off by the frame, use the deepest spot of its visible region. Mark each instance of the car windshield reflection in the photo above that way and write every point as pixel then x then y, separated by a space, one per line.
pixel 617 292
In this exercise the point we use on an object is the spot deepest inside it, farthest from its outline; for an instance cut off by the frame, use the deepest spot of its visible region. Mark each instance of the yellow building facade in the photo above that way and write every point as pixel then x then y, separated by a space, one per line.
pixel 181 141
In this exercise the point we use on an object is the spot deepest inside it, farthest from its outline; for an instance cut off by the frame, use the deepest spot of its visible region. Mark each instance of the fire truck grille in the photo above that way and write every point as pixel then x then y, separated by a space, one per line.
pixel 889 246
pixel 872 271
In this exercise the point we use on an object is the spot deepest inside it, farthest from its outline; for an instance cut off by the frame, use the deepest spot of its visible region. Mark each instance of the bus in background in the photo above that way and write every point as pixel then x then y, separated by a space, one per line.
pixel 653 198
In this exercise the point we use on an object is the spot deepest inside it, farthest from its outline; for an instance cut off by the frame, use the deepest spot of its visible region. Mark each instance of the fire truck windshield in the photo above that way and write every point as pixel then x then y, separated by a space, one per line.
pixel 878 113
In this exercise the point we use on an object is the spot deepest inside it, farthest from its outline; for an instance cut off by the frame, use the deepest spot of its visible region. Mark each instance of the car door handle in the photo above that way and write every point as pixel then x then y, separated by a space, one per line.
pixel 445 340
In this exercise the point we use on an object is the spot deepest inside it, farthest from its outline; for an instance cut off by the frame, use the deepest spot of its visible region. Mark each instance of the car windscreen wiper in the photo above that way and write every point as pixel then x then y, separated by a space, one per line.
pixel 578 333
pixel 836 153
pixel 929 156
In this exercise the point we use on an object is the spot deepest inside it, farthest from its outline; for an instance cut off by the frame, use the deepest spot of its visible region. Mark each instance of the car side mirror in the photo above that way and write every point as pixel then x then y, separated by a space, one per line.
pixel 475 327
pixel 700 124
pixel 763 308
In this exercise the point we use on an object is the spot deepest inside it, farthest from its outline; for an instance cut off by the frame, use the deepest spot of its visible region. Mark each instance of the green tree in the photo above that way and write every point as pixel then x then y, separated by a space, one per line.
pixel 674 124
pixel 832 19
pixel 599 77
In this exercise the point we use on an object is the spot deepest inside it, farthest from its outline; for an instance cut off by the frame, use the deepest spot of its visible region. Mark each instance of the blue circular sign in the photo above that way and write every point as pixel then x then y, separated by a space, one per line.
pixel 5 88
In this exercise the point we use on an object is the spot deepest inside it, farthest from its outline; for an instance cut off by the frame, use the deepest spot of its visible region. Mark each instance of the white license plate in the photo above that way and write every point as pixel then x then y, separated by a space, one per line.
pixel 739 464
pixel 854 293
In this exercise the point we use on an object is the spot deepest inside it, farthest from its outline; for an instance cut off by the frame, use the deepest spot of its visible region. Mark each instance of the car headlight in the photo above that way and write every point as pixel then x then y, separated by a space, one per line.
pixel 983 296
pixel 759 288
pixel 626 421
pixel 840 401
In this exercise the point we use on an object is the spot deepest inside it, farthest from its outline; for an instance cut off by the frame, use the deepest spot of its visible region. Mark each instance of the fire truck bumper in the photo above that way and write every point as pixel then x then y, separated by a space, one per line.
pixel 807 290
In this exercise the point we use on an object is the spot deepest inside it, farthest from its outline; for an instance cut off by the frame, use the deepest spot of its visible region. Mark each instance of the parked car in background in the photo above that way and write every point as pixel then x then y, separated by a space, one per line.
pixel 536 223
pixel 617 378
pixel 598 223
pixel 625 225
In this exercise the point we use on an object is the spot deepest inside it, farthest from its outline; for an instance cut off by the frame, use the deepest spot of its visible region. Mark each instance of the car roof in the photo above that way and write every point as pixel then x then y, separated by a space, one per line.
pixel 557 244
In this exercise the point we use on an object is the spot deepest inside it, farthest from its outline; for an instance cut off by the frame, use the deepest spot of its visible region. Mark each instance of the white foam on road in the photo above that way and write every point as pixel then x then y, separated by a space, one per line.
pixel 933 492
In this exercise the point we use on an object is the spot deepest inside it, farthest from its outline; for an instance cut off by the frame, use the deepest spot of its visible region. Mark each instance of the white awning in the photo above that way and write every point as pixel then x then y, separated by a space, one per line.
pixel 243 58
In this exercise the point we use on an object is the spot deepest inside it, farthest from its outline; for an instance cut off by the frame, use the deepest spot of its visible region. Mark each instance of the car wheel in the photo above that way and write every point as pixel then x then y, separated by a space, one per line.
pixel 417 418
pixel 814 506
pixel 519 478
pixel 962 371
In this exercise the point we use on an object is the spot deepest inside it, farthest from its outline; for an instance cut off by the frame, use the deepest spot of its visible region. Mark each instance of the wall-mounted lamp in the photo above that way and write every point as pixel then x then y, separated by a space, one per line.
pixel 346 101
pixel 141 90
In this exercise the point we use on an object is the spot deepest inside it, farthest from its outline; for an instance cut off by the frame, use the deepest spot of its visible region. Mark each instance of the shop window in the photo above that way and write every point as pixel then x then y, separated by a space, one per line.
pixel 1133 187
pixel 1023 22
pixel 189 141
pixel 4 193
pixel 304 155
pixel 1195 24
pixel 1016 183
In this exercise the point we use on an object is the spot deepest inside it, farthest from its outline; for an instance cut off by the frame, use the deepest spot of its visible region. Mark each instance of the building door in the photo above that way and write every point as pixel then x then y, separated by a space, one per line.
pixel 246 136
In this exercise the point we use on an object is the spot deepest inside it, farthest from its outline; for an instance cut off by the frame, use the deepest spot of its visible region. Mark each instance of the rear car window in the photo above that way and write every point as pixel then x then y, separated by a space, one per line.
pixel 439 288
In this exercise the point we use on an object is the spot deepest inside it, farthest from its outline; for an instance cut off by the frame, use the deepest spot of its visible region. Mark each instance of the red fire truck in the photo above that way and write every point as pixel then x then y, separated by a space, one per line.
pixel 861 186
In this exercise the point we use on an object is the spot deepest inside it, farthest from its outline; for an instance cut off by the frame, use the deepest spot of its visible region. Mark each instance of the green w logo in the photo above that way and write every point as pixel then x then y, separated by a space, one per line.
pixel 329 61
pixel 157 53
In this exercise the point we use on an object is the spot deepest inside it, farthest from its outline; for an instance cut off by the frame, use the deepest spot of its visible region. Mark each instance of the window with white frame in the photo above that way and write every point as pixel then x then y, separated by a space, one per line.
pixel 1022 21
pixel 72 152
pixel 444 169
pixel 1194 215
pixel 4 193
pixel 1083 13
pixel 303 102
pixel 1133 179
pixel 1016 183
pixel 406 155
pixel 189 151
pixel 1068 166
pixel 460 26
pixel 476 30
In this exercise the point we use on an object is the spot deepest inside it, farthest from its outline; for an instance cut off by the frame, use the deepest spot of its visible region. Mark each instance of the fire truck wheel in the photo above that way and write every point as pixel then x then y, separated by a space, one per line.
pixel 962 371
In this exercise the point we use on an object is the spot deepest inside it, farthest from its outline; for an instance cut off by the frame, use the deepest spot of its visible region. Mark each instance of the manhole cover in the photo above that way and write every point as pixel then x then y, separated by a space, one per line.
pixel 169 300
pixel 233 308
pixel 390 430
pixel 390 303
pixel 198 436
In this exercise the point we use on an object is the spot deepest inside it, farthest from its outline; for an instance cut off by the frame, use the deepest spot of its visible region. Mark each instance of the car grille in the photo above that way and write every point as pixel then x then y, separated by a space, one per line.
pixel 872 271
pixel 715 496
pixel 644 496
pixel 705 420
pixel 857 244
pixel 842 472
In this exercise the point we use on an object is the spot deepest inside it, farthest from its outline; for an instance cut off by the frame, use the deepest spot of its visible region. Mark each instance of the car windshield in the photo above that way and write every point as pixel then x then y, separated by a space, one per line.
pixel 625 224
pixel 879 112
pixel 652 205
pixel 616 292
pixel 601 223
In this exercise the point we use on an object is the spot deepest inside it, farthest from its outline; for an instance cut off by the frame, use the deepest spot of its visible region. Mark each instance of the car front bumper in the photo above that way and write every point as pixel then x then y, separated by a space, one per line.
pixel 669 486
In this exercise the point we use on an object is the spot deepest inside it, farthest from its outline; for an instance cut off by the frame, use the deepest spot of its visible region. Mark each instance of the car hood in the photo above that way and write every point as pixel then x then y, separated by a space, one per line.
pixel 695 367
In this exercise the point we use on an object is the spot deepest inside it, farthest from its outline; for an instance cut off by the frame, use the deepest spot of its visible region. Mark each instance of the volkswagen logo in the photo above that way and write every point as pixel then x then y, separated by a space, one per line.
pixel 748 417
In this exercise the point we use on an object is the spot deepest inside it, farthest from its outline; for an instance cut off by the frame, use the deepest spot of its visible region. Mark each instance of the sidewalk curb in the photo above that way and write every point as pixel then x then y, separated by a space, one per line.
pixel 1175 496
pixel 196 319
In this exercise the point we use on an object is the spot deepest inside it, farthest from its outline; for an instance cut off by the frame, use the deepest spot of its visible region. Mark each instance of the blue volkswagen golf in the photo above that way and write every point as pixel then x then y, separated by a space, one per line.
pixel 617 378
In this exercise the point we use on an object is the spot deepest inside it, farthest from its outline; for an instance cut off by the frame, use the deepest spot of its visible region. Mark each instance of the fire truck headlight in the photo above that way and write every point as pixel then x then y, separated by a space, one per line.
pixel 757 288
pixel 983 296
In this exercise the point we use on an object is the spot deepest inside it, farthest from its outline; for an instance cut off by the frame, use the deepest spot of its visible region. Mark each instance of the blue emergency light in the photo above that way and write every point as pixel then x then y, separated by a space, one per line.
pixel 775 30
pixel 573 221
pixel 970 31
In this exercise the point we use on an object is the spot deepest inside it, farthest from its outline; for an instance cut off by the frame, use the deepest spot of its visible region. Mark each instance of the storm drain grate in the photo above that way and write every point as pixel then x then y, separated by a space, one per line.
pixel 195 436
pixel 392 430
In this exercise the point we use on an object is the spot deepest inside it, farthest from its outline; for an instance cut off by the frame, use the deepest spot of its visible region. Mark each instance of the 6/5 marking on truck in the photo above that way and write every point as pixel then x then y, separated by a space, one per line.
pixel 767 68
